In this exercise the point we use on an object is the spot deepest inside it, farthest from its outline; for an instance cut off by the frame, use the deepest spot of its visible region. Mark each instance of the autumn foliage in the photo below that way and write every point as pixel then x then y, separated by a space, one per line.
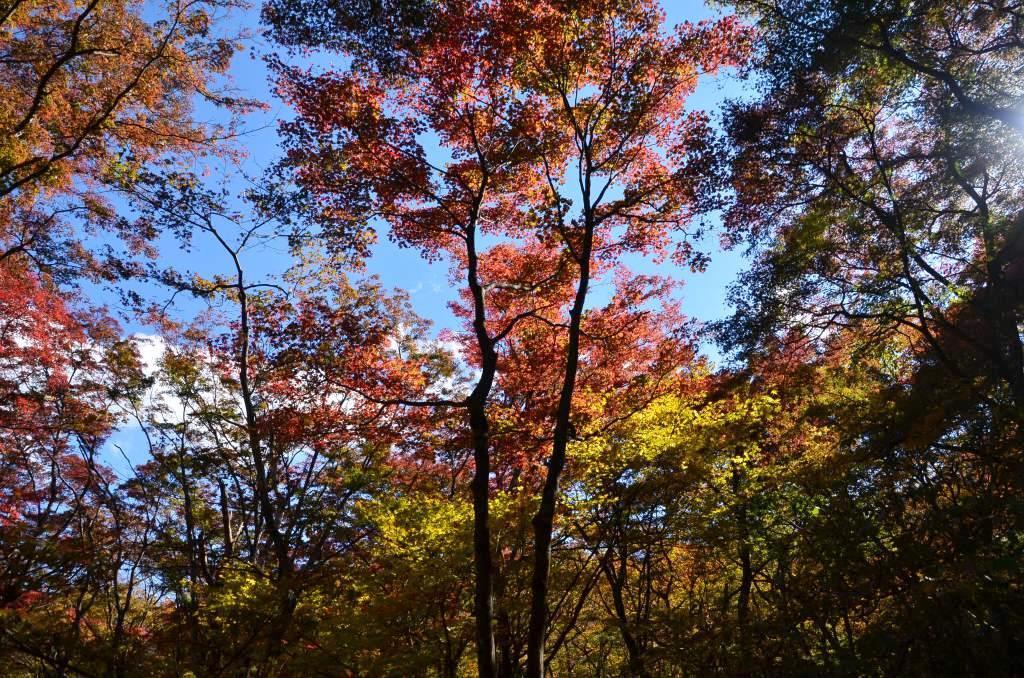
pixel 281 469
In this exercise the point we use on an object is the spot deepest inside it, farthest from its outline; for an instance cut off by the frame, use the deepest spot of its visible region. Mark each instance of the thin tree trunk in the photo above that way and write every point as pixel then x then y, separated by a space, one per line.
pixel 483 598
pixel 543 521
pixel 746 573
pixel 288 597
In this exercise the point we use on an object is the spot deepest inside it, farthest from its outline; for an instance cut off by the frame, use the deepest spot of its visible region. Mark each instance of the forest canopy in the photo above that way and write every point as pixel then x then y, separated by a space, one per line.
pixel 233 444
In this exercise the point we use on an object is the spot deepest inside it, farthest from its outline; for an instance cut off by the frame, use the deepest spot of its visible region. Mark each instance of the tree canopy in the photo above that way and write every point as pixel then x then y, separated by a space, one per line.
pixel 229 447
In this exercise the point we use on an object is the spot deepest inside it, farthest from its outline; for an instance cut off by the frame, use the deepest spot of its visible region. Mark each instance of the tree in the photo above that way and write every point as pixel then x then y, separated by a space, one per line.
pixel 876 179
pixel 274 436
pixel 92 91
pixel 895 151
pixel 517 95
pixel 95 90
pixel 72 543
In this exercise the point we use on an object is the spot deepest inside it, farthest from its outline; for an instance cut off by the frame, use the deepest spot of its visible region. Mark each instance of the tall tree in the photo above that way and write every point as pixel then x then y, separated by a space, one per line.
pixel 878 179
pixel 568 143
pixel 93 90
pixel 273 433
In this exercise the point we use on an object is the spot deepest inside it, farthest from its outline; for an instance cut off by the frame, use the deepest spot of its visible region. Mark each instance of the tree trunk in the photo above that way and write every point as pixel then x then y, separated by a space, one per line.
pixel 543 522
pixel 483 599
pixel 746 573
